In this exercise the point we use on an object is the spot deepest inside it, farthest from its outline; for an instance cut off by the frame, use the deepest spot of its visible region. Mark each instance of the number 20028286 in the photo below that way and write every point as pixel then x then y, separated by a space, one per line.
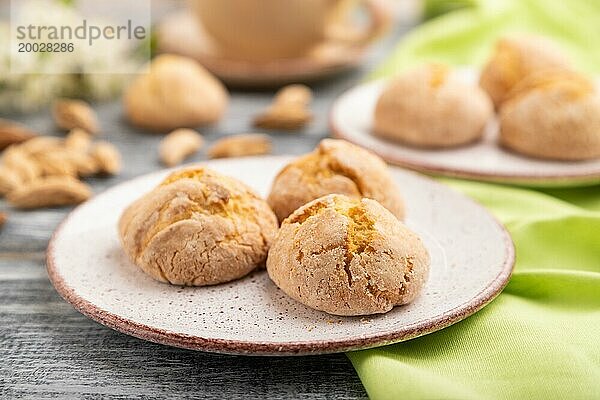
pixel 46 47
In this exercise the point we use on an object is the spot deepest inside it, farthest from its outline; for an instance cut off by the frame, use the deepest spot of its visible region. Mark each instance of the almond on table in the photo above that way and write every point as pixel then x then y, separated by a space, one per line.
pixel 55 164
pixel 13 133
pixel 108 158
pixel 250 144
pixel 284 118
pixel 78 139
pixel 44 170
pixel 9 180
pixel 84 163
pixel 65 161
pixel 289 110
pixel 294 94
pixel 21 163
pixel 41 144
pixel 49 192
pixel 178 145
pixel 69 114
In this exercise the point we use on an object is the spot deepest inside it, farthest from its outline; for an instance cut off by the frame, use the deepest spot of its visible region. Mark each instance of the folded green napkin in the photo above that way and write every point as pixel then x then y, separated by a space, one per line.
pixel 467 36
pixel 540 339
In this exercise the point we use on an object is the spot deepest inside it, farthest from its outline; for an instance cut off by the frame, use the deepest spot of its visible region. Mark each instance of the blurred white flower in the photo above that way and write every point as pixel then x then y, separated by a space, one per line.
pixel 32 91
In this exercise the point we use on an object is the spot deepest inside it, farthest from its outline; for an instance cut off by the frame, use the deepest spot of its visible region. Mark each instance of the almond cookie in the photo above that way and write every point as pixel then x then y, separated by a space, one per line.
pixel 432 107
pixel 176 92
pixel 347 257
pixel 513 59
pixel 335 166
pixel 197 228
pixel 554 115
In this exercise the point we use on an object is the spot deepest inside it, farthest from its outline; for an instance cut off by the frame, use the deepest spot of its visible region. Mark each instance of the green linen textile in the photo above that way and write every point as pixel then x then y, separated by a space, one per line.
pixel 540 338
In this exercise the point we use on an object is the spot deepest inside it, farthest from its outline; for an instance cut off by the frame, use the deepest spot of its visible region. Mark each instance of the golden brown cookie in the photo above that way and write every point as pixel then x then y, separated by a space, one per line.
pixel 197 228
pixel 431 107
pixel 348 257
pixel 176 92
pixel 335 166
pixel 513 59
pixel 553 114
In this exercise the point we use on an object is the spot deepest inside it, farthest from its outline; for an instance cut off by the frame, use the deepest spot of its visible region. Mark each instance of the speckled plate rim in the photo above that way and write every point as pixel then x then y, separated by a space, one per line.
pixel 526 179
pixel 264 348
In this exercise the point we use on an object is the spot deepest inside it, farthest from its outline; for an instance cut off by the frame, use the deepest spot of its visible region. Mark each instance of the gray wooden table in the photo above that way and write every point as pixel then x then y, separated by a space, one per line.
pixel 49 350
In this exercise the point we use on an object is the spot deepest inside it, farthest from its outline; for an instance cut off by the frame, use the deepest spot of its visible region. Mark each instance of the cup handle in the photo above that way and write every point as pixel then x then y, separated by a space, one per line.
pixel 379 16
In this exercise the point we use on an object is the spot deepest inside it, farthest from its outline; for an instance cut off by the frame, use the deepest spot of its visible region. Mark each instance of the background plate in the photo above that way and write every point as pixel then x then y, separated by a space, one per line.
pixel 472 258
pixel 351 118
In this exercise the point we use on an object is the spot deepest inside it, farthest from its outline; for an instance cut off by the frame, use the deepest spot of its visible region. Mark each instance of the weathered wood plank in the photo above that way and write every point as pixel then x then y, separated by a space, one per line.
pixel 48 349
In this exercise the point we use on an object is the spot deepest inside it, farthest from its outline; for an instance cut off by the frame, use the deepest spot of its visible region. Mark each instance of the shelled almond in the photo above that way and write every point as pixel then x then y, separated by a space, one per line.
pixel 78 139
pixel 249 144
pixel 13 133
pixel 21 163
pixel 107 157
pixel 289 111
pixel 70 114
pixel 178 145
pixel 44 171
pixel 41 144
pixel 9 180
pixel 55 164
pixel 50 191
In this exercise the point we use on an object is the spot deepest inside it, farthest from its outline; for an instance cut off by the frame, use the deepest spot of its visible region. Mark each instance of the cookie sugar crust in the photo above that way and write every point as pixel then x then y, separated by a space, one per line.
pixel 348 257
pixel 198 228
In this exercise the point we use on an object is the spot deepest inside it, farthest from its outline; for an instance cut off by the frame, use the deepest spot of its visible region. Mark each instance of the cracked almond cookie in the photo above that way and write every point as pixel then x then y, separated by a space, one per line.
pixel 335 166
pixel 197 228
pixel 432 107
pixel 174 92
pixel 553 115
pixel 347 257
pixel 514 58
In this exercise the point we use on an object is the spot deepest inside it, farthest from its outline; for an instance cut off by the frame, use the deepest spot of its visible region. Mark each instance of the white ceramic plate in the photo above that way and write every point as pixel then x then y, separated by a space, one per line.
pixel 351 118
pixel 472 258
